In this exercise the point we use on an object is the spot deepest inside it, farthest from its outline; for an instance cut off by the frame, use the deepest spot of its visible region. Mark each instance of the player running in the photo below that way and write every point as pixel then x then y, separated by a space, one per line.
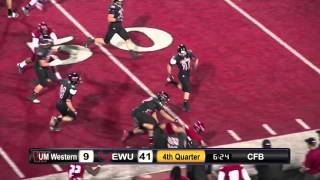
pixel 43 31
pixel 42 67
pixel 38 3
pixel 115 18
pixel 76 171
pixel 145 116
pixel 64 105
pixel 183 61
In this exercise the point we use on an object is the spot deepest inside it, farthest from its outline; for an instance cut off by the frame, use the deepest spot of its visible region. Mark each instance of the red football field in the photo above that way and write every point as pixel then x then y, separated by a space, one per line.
pixel 245 78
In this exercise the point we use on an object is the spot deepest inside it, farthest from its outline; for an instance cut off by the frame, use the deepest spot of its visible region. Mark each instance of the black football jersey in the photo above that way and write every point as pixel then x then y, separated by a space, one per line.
pixel 117 12
pixel 41 53
pixel 149 106
pixel 67 90
pixel 183 62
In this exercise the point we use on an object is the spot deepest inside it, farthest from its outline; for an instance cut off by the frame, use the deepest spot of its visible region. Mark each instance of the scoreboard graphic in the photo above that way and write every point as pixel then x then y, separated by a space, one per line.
pixel 160 156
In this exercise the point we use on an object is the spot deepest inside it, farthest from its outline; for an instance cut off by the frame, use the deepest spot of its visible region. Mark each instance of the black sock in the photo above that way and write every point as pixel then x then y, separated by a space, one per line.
pixel 58 121
pixel 130 133
pixel 185 102
pixel 10 12
pixel 34 95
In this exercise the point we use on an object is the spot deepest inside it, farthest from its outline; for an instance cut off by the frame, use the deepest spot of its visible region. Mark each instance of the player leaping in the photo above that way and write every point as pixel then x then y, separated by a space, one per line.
pixel 43 31
pixel 64 105
pixel 183 61
pixel 145 116
pixel 115 18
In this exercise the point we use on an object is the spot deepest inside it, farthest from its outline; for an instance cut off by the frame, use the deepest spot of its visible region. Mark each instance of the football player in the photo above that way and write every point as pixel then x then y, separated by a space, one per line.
pixel 115 18
pixel 42 67
pixel 38 3
pixel 64 105
pixel 11 13
pixel 145 116
pixel 169 135
pixel 183 61
pixel 76 171
pixel 43 31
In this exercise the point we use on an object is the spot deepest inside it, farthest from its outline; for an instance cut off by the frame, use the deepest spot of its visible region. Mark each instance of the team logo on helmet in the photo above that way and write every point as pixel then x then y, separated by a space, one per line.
pixel 199 127
pixel 74 78
pixel 182 50
pixel 163 97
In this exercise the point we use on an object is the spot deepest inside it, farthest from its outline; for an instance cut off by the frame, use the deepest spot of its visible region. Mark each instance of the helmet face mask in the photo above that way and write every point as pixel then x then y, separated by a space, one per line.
pixel 163 97
pixel 182 50
pixel 74 78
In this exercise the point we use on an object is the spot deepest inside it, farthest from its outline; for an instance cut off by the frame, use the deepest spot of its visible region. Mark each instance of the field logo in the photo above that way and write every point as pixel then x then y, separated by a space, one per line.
pixel 160 39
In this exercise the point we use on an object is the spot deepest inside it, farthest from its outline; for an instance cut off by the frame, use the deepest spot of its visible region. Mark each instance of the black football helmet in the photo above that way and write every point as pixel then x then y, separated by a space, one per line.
pixel 118 2
pixel 163 97
pixel 74 78
pixel 182 50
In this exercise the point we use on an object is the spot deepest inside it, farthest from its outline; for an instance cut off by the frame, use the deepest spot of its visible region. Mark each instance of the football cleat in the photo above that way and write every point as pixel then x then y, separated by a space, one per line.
pixel 34 100
pixel 25 11
pixel 13 15
pixel 20 69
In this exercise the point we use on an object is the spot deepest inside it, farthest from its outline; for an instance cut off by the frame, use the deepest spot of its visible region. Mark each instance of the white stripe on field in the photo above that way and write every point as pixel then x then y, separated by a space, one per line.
pixel 273 36
pixel 57 167
pixel 303 124
pixel 234 135
pixel 269 129
pixel 112 58
pixel 11 163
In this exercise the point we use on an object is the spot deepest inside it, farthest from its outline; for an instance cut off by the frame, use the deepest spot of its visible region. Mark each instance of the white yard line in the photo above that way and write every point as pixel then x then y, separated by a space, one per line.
pixel 11 163
pixel 273 36
pixel 234 135
pixel 57 167
pixel 269 129
pixel 303 124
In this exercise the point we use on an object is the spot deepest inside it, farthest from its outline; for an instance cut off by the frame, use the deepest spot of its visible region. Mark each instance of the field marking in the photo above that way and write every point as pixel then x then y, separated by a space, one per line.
pixel 11 163
pixel 113 58
pixel 234 135
pixel 303 124
pixel 269 129
pixel 57 167
pixel 273 36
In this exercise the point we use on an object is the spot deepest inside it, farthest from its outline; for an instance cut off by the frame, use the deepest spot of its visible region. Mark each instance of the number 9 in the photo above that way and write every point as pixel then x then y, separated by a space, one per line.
pixel 86 156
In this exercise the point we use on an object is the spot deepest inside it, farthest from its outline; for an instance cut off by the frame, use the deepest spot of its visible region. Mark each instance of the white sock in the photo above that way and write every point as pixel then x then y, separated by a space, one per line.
pixel 58 76
pixel 33 2
pixel 22 64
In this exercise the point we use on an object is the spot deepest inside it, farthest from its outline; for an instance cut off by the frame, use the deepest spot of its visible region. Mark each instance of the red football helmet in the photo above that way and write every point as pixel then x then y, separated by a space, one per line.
pixel 43 28
pixel 199 127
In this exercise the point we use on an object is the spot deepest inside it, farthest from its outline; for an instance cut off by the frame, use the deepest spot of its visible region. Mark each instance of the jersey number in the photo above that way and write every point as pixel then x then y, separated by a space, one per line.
pixel 185 64
pixel 75 169
pixel 62 91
